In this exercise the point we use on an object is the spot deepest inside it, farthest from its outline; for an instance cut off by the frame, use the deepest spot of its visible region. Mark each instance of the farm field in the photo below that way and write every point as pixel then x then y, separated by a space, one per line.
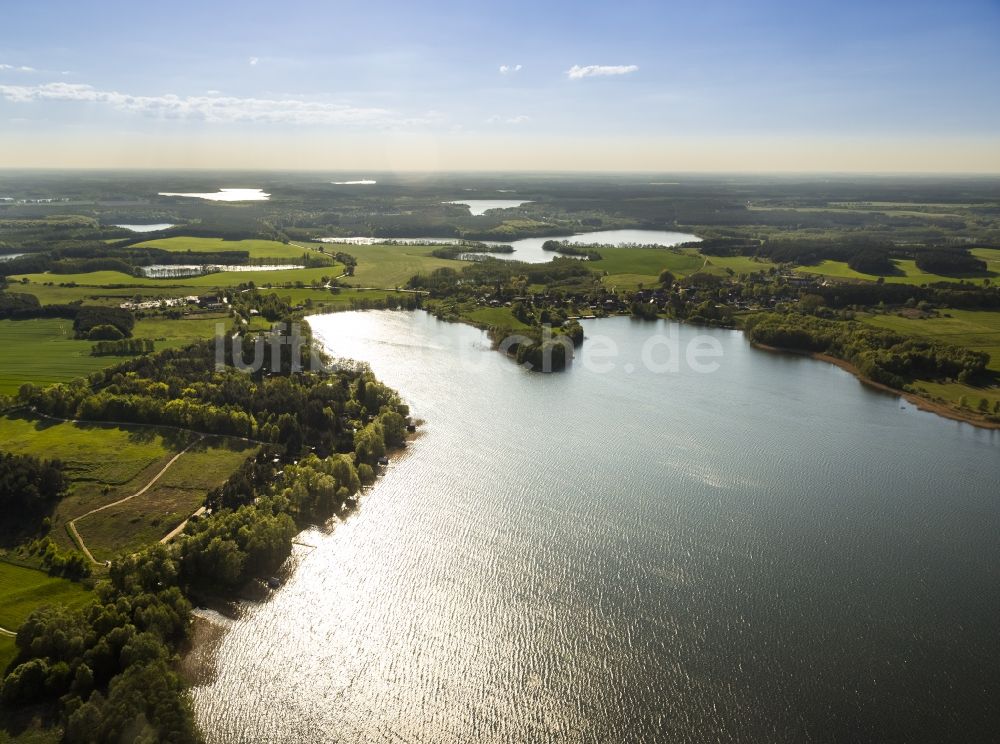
pixel 145 519
pixel 105 463
pixel 390 266
pixel 259 250
pixel 219 280
pixel 24 589
pixel 910 274
pixel 973 329
pixel 43 351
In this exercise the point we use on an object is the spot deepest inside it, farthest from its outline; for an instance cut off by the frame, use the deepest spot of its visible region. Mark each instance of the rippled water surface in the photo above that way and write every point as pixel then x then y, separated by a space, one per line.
pixel 771 552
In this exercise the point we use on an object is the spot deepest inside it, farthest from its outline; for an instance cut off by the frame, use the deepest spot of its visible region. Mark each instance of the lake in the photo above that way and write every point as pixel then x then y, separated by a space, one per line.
pixel 770 552
pixel 225 195
pixel 175 271
pixel 530 249
pixel 479 207
pixel 148 228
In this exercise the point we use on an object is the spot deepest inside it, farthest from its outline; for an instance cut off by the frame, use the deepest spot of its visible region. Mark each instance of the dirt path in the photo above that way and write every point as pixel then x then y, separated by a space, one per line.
pixel 140 492
pixel 180 528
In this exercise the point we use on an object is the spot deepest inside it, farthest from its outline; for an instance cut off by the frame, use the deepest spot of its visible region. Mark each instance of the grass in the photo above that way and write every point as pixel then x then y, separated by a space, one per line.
pixel 494 316
pixel 24 589
pixel 103 462
pixel 390 266
pixel 629 267
pixel 147 518
pixel 43 351
pixel 50 293
pixel 258 249
pixel 973 329
pixel 908 273
pixel 220 280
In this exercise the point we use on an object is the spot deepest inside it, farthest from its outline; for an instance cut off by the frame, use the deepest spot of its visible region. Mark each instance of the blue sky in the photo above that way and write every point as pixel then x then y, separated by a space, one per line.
pixel 562 81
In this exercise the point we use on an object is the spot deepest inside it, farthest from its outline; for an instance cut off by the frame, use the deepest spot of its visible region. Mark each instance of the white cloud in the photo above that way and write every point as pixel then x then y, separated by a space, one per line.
pixel 254 60
pixel 215 108
pixel 507 69
pixel 576 72
pixel 17 68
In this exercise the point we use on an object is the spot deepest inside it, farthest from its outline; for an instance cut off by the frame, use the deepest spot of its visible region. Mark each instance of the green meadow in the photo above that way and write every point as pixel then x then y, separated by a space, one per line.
pixel 219 280
pixel 180 491
pixel 390 266
pixel 43 351
pixel 259 250
pixel 973 329
pixel 908 273
pixel 25 589
pixel 105 463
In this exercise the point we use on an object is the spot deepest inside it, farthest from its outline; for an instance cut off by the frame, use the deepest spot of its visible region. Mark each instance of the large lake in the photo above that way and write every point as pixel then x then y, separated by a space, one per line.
pixel 530 249
pixel 767 553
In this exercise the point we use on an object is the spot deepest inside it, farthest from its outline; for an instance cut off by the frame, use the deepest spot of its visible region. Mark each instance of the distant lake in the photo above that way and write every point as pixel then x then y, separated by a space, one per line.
pixel 771 552
pixel 176 271
pixel 362 182
pixel 479 207
pixel 381 241
pixel 148 228
pixel 226 195
pixel 530 249
pixel 10 256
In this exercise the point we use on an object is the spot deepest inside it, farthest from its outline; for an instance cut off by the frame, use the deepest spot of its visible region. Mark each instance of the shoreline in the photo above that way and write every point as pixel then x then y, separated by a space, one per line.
pixel 924 404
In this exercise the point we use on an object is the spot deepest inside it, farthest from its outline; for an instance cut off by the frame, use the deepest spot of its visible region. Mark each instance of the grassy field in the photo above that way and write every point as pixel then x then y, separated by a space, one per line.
pixel 629 267
pixel 259 250
pixel 24 589
pixel 219 280
pixel 973 329
pixel 50 293
pixel 909 273
pixel 43 351
pixel 180 491
pixel 494 316
pixel 105 463
pixel 969 328
pixel 390 266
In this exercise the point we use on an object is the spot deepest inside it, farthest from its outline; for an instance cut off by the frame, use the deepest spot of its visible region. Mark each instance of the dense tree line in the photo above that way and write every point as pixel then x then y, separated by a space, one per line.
pixel 123 347
pixel 881 355
pixel 29 487
pixel 950 263
pixel 89 317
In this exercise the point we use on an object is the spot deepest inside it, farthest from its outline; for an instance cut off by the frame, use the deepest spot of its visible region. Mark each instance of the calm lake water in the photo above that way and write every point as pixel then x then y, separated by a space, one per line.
pixel 530 249
pixel 148 228
pixel 768 553
pixel 225 195
pixel 479 207
pixel 173 271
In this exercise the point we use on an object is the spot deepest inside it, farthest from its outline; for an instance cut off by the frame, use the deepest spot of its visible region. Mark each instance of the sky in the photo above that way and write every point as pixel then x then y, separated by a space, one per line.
pixel 380 86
